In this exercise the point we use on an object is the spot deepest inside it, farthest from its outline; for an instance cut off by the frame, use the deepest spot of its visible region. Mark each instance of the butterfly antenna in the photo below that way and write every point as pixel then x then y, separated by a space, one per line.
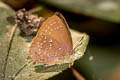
pixel 79 43
pixel 16 74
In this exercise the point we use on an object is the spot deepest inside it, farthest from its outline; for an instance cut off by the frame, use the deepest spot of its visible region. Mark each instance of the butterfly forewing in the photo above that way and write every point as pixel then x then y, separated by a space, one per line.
pixel 53 41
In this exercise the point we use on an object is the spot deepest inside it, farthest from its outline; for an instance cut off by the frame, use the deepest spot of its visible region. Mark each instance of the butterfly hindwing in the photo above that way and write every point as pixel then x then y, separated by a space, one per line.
pixel 53 41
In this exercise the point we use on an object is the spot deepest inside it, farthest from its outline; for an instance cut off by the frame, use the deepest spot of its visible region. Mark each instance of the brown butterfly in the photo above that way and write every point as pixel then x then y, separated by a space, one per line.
pixel 53 42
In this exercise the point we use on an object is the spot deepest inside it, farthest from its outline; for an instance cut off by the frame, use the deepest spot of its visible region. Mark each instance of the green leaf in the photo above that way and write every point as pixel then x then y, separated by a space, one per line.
pixel 103 9
pixel 19 52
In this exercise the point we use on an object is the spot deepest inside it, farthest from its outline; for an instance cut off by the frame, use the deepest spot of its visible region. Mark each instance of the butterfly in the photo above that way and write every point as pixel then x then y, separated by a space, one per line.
pixel 53 42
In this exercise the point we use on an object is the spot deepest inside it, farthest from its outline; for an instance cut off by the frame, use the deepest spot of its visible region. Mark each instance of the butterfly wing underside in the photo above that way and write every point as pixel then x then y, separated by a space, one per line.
pixel 53 42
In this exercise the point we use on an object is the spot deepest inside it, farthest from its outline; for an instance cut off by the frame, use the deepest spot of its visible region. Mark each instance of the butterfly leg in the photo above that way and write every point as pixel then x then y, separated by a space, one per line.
pixel 78 44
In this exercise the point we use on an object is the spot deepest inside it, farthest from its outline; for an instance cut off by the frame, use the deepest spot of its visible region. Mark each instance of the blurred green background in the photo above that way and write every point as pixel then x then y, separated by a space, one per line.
pixel 100 19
